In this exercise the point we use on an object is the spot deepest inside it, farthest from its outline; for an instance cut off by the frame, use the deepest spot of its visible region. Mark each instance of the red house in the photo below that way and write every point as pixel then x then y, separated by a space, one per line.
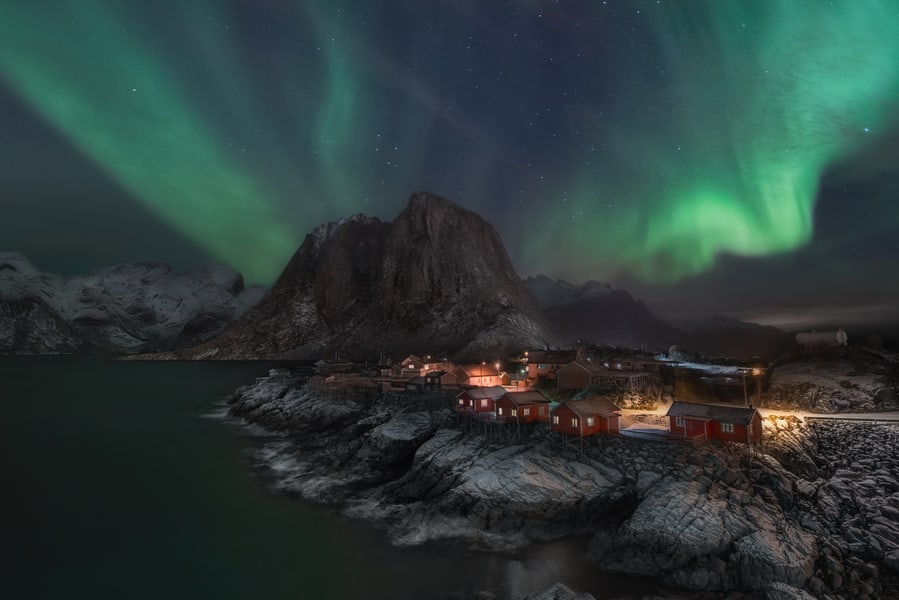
pixel 545 363
pixel 479 400
pixel 585 417
pixel 712 421
pixel 522 407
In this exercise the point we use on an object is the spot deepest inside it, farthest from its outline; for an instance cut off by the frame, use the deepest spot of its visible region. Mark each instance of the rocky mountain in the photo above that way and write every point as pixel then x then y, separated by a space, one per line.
pixel 435 280
pixel 597 313
pixel 721 335
pixel 126 308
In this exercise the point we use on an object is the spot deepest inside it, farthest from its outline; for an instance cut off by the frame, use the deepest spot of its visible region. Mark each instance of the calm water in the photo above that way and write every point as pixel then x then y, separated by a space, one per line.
pixel 118 483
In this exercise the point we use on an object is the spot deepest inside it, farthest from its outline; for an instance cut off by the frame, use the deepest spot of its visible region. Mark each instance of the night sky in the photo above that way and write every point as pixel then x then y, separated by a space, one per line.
pixel 708 156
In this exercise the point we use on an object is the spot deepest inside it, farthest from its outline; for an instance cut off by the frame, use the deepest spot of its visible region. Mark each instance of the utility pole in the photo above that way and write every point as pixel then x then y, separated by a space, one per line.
pixel 745 397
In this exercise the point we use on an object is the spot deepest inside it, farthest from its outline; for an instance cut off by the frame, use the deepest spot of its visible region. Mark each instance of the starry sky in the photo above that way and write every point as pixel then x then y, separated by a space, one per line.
pixel 736 157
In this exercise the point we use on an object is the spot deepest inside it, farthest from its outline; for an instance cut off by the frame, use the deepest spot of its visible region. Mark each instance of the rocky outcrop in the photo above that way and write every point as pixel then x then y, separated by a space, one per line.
pixel 706 541
pixel 864 380
pixel 127 308
pixel 559 592
pixel 692 517
pixel 846 479
pixel 436 280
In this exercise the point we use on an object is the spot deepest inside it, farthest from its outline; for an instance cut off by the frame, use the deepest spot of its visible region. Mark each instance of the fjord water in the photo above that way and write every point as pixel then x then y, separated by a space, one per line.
pixel 119 482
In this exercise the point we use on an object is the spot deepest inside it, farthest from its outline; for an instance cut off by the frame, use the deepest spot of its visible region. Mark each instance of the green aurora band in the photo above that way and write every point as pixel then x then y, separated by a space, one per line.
pixel 721 150
pixel 728 146
pixel 88 72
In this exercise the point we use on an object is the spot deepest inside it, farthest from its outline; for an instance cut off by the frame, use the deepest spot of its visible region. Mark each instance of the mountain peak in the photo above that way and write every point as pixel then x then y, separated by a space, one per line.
pixel 557 293
pixel 436 279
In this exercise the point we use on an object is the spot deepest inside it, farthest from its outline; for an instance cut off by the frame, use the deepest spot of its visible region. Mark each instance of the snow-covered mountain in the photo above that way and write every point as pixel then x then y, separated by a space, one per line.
pixel 125 308
pixel 558 292
pixel 595 312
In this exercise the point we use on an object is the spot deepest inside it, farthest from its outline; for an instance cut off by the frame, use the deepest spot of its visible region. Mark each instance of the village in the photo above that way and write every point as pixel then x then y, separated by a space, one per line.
pixel 576 395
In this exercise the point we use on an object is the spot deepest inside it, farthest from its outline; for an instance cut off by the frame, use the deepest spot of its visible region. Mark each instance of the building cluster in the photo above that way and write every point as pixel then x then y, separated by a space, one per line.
pixel 563 370
pixel 508 398
pixel 597 415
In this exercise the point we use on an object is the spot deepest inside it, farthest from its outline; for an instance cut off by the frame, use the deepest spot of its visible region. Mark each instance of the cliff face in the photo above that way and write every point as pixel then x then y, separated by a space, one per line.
pixel 436 280
pixel 126 308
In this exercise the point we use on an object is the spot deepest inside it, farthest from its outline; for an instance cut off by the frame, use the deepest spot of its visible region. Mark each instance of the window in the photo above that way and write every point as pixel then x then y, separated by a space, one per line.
pixel 678 421
pixel 499 411
pixel 484 403
pixel 541 410
pixel 574 421
pixel 555 419
pixel 461 401
pixel 514 412
pixel 727 427
pixel 590 421
pixel 526 411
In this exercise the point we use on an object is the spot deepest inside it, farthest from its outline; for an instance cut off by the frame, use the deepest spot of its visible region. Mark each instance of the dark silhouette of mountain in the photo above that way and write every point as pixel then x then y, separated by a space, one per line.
pixel 437 280
pixel 595 312
pixel 719 335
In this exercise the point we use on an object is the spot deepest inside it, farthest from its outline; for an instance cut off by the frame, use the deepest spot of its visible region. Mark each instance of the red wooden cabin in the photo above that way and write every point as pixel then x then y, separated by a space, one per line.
pixel 585 417
pixel 479 400
pixel 715 422
pixel 522 407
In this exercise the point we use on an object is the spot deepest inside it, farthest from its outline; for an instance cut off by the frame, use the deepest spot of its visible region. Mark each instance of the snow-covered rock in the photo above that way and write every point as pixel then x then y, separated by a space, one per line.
pixel 125 308
pixel 866 380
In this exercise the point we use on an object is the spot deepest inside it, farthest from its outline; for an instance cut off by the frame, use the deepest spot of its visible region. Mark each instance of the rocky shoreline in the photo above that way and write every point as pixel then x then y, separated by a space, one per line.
pixel 817 512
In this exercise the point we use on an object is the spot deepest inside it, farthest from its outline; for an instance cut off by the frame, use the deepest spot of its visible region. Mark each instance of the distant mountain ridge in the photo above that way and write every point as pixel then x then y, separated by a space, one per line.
pixel 722 335
pixel 595 312
pixel 436 280
pixel 136 307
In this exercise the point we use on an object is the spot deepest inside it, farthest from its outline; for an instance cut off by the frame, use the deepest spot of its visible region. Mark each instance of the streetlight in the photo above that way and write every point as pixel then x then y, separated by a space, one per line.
pixel 757 373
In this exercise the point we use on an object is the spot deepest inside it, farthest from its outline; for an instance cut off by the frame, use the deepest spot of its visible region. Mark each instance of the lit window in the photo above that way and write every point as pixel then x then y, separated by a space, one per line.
pixel 555 419
pixel 727 427
pixel 526 411
pixel 679 421
pixel 514 412
pixel 500 411
pixel 573 422
pixel 590 421
pixel 484 403
pixel 541 410
pixel 461 401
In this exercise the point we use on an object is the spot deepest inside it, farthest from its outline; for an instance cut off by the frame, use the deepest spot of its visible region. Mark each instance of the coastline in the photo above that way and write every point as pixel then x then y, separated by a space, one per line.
pixel 694 518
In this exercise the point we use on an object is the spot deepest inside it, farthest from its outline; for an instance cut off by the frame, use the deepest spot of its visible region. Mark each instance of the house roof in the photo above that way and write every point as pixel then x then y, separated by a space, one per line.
pixel 486 392
pixel 525 398
pixel 479 370
pixel 728 414
pixel 589 367
pixel 594 405
pixel 431 374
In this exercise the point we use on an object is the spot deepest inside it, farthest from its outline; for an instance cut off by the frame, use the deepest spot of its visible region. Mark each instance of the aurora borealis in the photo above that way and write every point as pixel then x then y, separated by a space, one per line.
pixel 691 151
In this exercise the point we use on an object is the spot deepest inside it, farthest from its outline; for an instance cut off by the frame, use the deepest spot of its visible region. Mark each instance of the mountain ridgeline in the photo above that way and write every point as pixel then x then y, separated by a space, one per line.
pixel 437 279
